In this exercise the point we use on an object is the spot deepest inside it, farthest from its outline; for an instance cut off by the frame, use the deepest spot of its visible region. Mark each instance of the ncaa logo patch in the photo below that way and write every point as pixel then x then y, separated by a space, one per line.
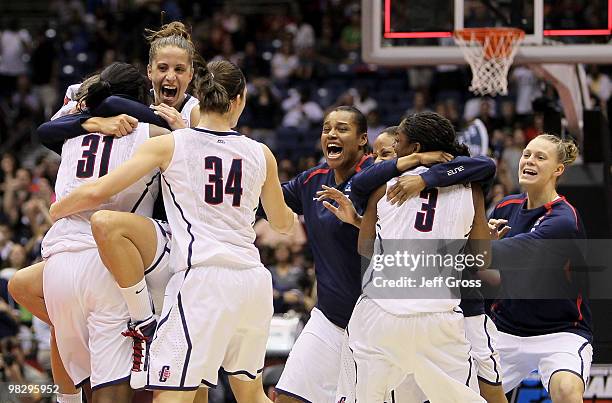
pixel 164 374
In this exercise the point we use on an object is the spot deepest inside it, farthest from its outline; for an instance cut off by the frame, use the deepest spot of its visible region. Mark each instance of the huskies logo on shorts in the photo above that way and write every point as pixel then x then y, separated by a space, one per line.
pixel 164 374
pixel 342 400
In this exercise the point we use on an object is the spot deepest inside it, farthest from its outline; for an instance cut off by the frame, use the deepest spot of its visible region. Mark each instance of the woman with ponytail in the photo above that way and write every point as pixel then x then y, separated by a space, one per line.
pixel 88 327
pixel 218 303
pixel 171 68
pixel 426 317
pixel 172 57
pixel 542 314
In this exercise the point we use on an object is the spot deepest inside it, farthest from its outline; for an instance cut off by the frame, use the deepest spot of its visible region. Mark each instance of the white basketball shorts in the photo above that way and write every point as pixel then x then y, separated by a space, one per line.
pixel 547 353
pixel 312 369
pixel 482 334
pixel 89 314
pixel 431 346
pixel 212 318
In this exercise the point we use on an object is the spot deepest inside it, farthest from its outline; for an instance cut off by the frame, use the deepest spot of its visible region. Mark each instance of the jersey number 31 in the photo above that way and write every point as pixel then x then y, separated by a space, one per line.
pixel 87 163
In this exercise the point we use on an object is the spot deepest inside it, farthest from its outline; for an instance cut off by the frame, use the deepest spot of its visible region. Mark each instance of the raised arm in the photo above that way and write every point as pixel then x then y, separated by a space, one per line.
pixel 460 170
pixel 374 176
pixel 153 153
pixel 116 116
pixel 280 216
pixel 367 231
pixel 479 241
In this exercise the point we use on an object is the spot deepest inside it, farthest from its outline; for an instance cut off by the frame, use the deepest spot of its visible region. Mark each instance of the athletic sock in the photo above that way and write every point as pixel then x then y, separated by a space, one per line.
pixel 137 299
pixel 65 398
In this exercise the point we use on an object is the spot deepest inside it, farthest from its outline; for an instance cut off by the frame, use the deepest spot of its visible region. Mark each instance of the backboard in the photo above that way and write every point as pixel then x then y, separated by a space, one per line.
pixel 419 32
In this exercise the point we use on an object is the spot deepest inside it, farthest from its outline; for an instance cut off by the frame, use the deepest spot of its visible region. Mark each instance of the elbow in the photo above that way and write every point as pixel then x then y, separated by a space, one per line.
pixel 94 196
pixel 285 226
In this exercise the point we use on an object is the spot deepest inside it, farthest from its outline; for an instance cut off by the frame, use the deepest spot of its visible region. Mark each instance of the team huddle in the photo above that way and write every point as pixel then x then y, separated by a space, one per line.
pixel 162 291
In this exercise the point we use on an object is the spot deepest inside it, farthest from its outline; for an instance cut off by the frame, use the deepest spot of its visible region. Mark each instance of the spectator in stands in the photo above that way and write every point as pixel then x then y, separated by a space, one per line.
pixel 253 64
pixel 363 101
pixel 300 111
pixel 287 281
pixel 16 192
pixel 350 38
pixel 600 87
pixel 419 104
pixel 303 34
pixel 375 127
pixel 284 62
pixel 511 156
pixel 15 44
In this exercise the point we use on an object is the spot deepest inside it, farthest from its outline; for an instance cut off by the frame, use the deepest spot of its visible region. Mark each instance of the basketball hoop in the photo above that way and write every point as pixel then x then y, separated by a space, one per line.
pixel 489 52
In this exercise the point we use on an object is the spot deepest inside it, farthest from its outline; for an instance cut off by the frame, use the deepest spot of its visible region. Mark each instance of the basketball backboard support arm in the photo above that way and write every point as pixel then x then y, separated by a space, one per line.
pixel 532 50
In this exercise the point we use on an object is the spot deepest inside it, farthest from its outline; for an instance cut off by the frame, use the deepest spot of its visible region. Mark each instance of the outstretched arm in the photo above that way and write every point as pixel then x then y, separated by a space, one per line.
pixel 367 231
pixel 479 170
pixel 116 116
pixel 279 215
pixel 371 178
pixel 153 153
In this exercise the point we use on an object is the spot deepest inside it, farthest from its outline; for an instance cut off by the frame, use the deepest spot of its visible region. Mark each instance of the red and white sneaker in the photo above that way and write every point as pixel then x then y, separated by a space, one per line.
pixel 142 335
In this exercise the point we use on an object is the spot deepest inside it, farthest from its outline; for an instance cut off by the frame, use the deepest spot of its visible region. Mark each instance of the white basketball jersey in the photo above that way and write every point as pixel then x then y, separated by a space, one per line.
pixel 211 192
pixel 188 105
pixel 86 158
pixel 439 221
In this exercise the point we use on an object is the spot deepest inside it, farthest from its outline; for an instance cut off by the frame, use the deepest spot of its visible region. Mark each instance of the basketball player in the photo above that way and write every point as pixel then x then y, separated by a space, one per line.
pixel 126 241
pixel 84 305
pixel 551 335
pixel 313 377
pixel 170 69
pixel 480 330
pixel 219 305
pixel 438 355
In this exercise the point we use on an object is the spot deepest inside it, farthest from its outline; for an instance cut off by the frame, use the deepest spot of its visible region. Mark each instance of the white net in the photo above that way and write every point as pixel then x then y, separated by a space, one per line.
pixel 489 52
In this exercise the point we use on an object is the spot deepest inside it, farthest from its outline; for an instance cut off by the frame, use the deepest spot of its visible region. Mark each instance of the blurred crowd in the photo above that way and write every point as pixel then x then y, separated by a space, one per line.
pixel 300 57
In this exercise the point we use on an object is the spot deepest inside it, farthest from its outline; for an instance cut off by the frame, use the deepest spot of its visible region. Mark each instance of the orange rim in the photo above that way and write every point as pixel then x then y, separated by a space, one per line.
pixel 500 40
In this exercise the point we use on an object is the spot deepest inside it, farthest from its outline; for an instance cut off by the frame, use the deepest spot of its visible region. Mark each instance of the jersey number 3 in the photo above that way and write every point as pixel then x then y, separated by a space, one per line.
pixel 425 217
pixel 87 164
pixel 213 192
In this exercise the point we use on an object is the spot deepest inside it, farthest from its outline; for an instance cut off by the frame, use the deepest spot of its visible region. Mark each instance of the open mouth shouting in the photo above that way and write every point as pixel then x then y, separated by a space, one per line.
pixel 169 94
pixel 334 151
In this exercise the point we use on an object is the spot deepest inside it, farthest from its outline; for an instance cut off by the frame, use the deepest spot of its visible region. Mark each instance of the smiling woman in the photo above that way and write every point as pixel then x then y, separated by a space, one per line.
pixel 170 70
pixel 344 140
pixel 554 332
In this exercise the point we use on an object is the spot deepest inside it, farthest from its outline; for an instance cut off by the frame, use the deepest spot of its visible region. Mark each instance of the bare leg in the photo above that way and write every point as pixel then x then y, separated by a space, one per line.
pixel 60 376
pixel 174 396
pixel 280 398
pixel 492 393
pixel 201 396
pixel 26 287
pixel 566 387
pixel 126 242
pixel 113 394
pixel 248 391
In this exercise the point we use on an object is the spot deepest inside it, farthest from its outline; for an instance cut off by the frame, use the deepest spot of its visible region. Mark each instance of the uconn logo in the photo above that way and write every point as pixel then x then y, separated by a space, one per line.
pixel 164 374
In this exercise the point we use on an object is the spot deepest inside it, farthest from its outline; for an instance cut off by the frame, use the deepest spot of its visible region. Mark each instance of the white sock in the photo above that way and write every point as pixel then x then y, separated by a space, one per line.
pixel 137 299
pixel 65 398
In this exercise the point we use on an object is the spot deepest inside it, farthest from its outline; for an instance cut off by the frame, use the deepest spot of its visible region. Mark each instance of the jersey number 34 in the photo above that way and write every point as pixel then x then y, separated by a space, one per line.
pixel 214 190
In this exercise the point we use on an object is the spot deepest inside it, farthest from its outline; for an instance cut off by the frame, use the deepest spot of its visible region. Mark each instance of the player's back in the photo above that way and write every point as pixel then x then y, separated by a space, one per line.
pixel 428 231
pixel 86 158
pixel 211 192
